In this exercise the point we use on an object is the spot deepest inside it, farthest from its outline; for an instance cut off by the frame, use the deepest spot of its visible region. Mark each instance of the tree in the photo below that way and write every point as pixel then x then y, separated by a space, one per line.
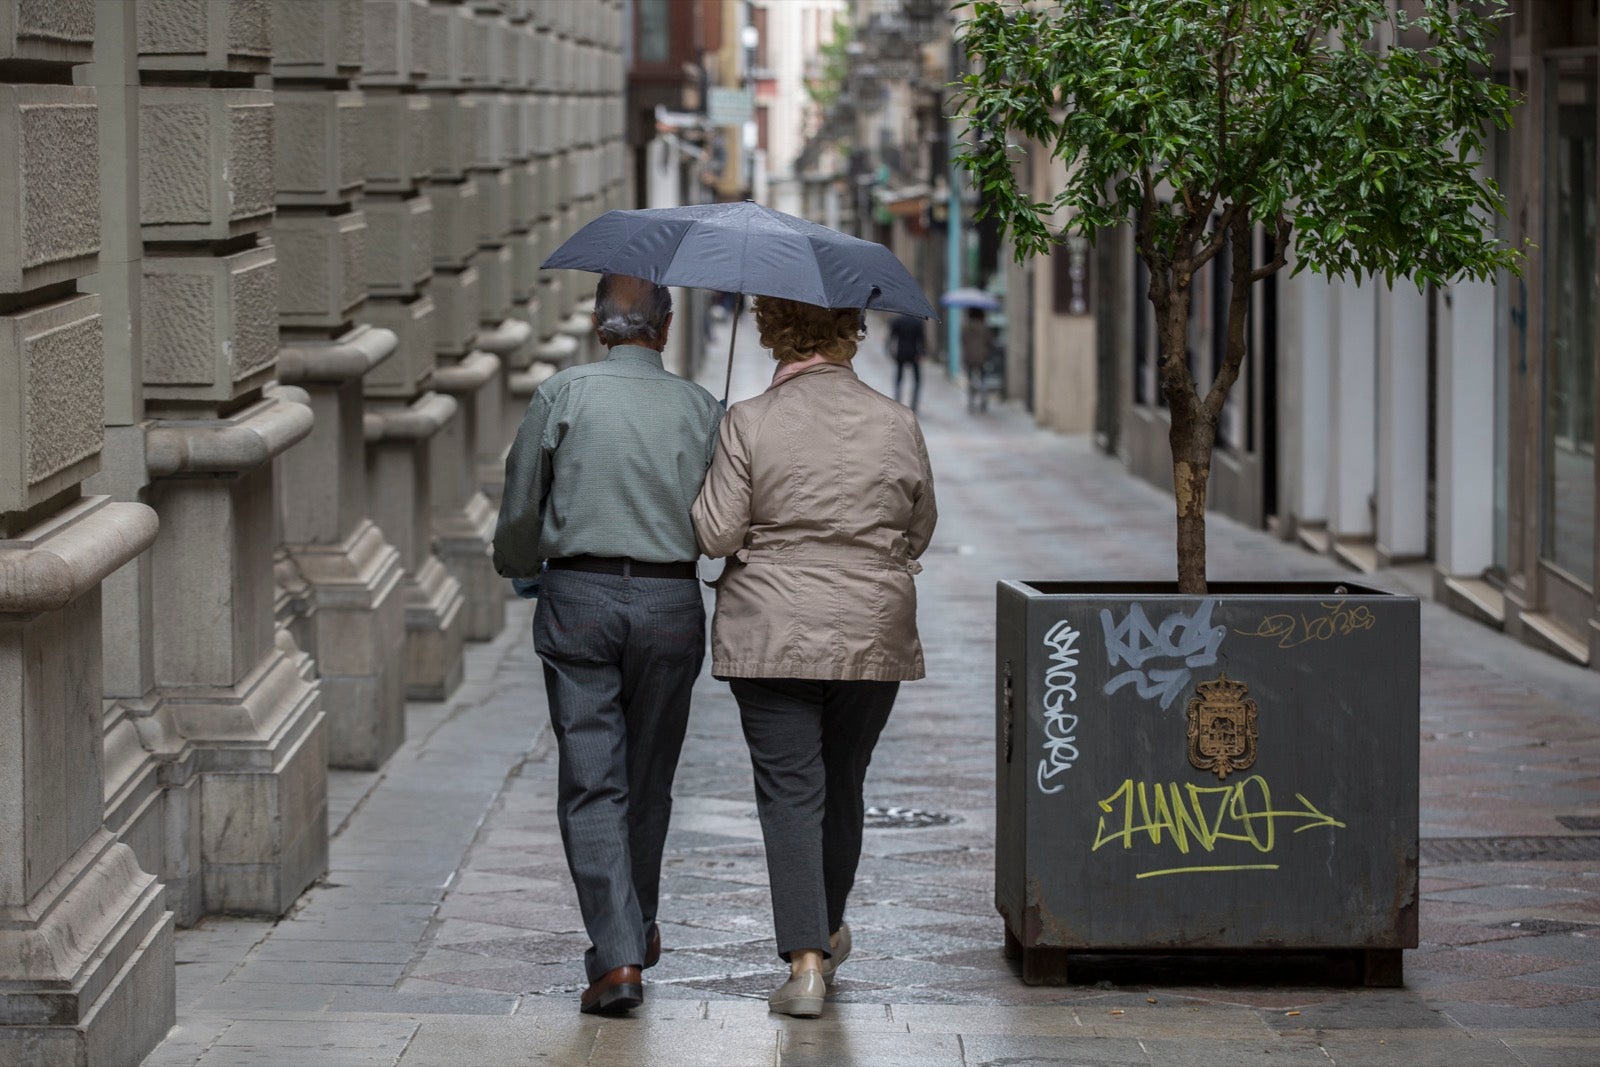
pixel 1349 128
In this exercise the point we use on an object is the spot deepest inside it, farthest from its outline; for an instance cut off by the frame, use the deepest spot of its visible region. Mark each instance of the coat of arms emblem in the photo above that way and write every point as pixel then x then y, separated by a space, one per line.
pixel 1222 726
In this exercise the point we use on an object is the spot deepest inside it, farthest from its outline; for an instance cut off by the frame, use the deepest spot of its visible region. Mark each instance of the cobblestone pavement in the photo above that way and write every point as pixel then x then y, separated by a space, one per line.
pixel 447 931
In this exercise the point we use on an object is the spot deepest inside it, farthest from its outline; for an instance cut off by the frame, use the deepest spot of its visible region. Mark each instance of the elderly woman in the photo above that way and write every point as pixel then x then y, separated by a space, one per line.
pixel 821 493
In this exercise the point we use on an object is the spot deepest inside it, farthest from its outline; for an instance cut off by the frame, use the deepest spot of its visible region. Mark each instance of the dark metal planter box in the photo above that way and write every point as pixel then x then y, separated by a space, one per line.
pixel 1180 774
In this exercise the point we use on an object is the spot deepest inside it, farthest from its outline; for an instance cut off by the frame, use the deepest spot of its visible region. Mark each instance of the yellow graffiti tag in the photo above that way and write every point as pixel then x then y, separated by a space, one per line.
pixel 1291 631
pixel 1188 815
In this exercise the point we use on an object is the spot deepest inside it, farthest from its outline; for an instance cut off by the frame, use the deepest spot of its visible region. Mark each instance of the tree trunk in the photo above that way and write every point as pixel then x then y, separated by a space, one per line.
pixel 1190 439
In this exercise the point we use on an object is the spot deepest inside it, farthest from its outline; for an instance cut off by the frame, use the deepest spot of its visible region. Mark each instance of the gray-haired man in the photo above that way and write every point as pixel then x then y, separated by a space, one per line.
pixel 608 459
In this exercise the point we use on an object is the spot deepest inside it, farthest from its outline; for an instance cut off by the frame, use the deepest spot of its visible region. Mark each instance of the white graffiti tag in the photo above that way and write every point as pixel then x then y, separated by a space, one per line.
pixel 1060 689
pixel 1181 641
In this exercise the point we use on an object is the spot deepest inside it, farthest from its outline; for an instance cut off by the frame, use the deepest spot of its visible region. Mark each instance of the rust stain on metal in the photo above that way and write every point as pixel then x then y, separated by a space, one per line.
pixel 1222 726
pixel 1039 925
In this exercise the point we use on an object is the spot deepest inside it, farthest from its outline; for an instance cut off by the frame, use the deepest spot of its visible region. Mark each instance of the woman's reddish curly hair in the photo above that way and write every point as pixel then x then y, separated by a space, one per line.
pixel 796 331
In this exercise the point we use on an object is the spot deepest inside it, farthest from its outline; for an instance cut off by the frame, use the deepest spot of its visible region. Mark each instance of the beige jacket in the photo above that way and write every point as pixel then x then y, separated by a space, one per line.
pixel 821 493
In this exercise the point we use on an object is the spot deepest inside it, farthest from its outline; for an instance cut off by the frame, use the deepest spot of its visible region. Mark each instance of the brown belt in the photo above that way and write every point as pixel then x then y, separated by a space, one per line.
pixel 628 568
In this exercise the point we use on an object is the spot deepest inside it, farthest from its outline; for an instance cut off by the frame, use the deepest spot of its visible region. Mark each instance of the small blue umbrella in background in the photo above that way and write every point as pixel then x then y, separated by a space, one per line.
pixel 968 297
pixel 744 248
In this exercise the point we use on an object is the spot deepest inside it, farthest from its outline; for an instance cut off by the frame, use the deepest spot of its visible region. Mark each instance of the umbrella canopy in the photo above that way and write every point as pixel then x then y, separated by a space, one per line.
pixel 968 297
pixel 744 248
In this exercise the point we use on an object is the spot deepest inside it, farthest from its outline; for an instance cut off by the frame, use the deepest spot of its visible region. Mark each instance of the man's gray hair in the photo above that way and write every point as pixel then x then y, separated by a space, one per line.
pixel 619 322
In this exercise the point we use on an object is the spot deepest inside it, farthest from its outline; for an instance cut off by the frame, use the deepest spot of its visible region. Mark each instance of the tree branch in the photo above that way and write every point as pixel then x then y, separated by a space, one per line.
pixel 1238 320
pixel 1280 250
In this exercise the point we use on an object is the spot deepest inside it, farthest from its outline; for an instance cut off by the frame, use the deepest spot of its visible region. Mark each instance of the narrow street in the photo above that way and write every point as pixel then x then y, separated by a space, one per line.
pixel 447 932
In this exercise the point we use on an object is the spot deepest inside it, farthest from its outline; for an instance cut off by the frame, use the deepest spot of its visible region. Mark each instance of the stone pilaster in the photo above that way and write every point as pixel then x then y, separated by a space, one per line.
pixel 414 228
pixel 230 683
pixel 470 186
pixel 86 968
pixel 340 579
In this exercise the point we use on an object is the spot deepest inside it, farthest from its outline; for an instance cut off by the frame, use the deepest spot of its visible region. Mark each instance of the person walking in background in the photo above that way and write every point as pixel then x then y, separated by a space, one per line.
pixel 977 347
pixel 599 483
pixel 908 343
pixel 822 494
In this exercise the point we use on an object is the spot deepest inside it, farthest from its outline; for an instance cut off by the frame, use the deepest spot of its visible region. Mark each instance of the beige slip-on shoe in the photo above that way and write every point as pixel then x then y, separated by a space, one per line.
pixel 801 996
pixel 841 952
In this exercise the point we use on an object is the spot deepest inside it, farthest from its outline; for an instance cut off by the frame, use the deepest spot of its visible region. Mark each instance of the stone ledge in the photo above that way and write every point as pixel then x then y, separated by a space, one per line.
pixel 527 382
pixel 226 446
pixel 557 349
pixel 71 553
pixel 468 376
pixel 351 356
pixel 424 418
pixel 505 338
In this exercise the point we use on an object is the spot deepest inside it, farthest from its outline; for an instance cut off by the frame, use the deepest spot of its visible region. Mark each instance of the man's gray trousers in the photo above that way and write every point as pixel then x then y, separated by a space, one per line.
pixel 621 655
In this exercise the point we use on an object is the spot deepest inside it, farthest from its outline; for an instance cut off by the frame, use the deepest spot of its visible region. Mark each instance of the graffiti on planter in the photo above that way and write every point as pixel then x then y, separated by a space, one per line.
pixel 1160 658
pixel 1291 631
pixel 1060 689
pixel 1187 817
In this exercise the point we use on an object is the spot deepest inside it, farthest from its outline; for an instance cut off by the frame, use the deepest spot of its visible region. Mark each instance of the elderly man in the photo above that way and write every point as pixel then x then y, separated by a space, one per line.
pixel 606 464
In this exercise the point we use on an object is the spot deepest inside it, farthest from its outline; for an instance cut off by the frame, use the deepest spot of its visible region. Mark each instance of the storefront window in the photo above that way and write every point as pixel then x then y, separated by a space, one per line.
pixel 1570 304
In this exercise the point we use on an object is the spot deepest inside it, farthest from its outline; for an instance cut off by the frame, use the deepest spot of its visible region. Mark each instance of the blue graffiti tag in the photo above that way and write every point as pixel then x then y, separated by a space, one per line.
pixel 1188 639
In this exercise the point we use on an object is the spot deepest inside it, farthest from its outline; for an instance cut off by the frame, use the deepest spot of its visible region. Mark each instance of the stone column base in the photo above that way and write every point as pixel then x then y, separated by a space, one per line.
pixel 462 541
pixel 86 969
pixel 153 799
pixel 435 631
pixel 262 749
pixel 359 644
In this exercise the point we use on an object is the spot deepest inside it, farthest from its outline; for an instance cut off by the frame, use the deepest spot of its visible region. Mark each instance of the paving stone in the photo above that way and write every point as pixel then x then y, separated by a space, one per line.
pixel 803 1047
pixel 1007 1050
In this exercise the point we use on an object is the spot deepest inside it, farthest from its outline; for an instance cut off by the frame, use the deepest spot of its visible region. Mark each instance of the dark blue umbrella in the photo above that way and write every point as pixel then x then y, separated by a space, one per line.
pixel 747 249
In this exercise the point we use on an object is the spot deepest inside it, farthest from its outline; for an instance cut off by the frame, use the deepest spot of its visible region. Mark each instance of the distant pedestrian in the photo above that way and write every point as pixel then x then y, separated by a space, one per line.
pixel 599 483
pixel 822 495
pixel 977 348
pixel 908 343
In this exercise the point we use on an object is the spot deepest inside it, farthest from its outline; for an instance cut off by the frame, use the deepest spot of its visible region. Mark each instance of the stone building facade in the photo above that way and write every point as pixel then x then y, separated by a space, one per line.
pixel 270 308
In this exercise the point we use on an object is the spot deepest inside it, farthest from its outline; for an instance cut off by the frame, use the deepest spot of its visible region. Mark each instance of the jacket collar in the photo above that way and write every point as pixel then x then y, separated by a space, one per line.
pixel 635 354
pixel 821 368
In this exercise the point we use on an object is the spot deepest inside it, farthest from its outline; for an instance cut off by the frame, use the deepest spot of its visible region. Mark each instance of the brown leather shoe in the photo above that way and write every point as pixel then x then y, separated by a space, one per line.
pixel 652 948
pixel 619 990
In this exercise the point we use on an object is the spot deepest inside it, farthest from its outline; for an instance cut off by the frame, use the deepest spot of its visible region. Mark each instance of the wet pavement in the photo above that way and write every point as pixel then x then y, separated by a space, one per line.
pixel 447 932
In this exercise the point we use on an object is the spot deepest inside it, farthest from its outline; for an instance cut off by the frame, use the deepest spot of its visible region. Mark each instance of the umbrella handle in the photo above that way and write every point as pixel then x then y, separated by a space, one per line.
pixel 727 383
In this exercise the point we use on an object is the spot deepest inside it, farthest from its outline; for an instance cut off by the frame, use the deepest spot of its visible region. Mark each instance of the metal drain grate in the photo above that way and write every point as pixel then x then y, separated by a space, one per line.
pixel 905 818
pixel 1509 849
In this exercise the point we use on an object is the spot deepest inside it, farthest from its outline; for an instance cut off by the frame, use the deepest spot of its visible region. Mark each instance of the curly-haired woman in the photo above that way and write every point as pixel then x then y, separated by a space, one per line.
pixel 822 495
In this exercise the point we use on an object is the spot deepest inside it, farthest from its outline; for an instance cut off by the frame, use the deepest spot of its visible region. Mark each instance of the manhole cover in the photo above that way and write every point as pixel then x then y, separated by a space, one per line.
pixel 1509 849
pixel 1579 822
pixel 905 818
pixel 1545 926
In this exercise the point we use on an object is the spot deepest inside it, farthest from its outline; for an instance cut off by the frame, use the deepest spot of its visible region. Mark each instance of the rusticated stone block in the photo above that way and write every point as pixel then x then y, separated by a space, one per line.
pixel 399 245
pixel 395 42
pixel 494 205
pixel 494 284
pixel 324 267
pixel 49 31
pixel 52 418
pixel 492 145
pixel 223 35
pixel 525 255
pixel 205 162
pixel 49 184
pixel 455 222
pixel 210 324
pixel 524 193
pixel 453 126
pixel 319 146
pixel 405 373
pixel 450 33
pixel 455 295
pixel 397 150
pixel 316 40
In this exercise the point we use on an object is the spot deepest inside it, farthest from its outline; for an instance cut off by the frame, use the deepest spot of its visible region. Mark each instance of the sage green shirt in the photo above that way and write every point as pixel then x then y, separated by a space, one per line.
pixel 607 461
